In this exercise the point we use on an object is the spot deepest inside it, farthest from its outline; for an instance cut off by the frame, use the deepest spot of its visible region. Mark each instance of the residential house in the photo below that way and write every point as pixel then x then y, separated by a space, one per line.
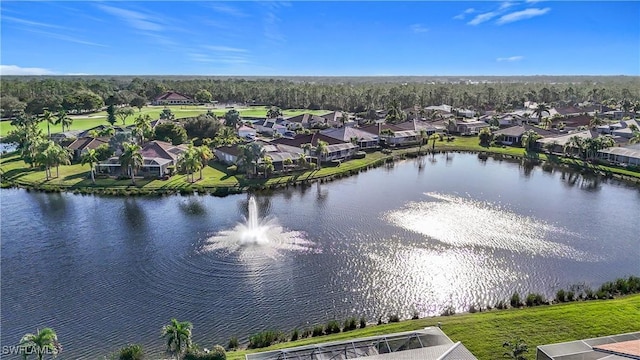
pixel 513 135
pixel 228 154
pixel 625 128
pixel 172 98
pixel 336 118
pixel 246 132
pixel 157 158
pixel 271 126
pixel 337 149
pixel 471 127
pixel 66 136
pixel 621 155
pixel 394 135
pixel 117 130
pixel 558 144
pixel 304 121
pixel 364 140
pixel 82 145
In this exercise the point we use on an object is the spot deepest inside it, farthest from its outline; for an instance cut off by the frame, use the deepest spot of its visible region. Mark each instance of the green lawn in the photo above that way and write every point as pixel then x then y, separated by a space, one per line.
pixel 483 333
pixel 215 175
pixel 100 118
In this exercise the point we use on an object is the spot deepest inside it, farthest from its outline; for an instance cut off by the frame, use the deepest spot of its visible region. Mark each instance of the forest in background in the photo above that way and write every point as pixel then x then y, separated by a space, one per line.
pixel 33 94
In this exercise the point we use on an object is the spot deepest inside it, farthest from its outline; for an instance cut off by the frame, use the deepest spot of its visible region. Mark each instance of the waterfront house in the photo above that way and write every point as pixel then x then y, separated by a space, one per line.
pixel 81 145
pixel 621 155
pixel 364 140
pixel 228 154
pixel 625 128
pixel 157 157
pixel 337 149
pixel 513 135
pixel 562 142
pixel 304 121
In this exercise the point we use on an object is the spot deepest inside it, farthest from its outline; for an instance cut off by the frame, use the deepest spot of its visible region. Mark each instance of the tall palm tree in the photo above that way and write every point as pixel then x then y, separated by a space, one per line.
pixel 90 158
pixel 595 121
pixel 131 159
pixel 423 135
pixel 302 161
pixel 62 156
pixel 450 124
pixel 44 341
pixel 540 110
pixel 47 116
pixel 178 335
pixel 267 163
pixel 249 155
pixel 204 154
pixel 64 120
pixel 322 149
pixel 485 136
pixel 575 143
pixel 143 127
pixel 529 139
pixel 190 162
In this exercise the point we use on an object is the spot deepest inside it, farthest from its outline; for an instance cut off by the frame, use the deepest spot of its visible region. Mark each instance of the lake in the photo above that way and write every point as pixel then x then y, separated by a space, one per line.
pixel 420 236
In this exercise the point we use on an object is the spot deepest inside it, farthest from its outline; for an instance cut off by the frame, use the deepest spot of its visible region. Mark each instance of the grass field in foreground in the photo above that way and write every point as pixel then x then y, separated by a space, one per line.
pixel 483 333
pixel 89 121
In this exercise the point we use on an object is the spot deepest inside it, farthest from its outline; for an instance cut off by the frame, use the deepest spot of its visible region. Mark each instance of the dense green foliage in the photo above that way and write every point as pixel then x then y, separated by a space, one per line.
pixel 78 94
pixel 131 352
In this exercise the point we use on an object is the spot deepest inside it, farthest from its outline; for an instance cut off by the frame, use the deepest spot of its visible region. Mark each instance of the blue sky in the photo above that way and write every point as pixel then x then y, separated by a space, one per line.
pixel 320 38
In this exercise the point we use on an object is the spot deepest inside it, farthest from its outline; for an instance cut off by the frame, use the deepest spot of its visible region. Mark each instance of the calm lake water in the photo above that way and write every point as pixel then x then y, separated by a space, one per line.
pixel 104 272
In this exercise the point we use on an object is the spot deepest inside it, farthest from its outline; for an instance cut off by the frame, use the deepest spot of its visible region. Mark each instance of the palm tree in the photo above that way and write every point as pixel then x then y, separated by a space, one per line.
pixel 124 113
pixel 274 112
pixel 626 105
pixel 143 127
pixel 249 155
pixel 177 334
pixel 635 138
pixel 540 110
pixel 190 161
pixel 43 341
pixel 596 121
pixel 131 159
pixel 450 124
pixel 131 352
pixel 64 120
pixel 485 136
pixel 423 136
pixel 107 131
pixel 394 113
pixel 575 143
pixel 91 158
pixel 205 154
pixel 529 139
pixel 546 122
pixel 267 164
pixel 47 116
pixel 322 149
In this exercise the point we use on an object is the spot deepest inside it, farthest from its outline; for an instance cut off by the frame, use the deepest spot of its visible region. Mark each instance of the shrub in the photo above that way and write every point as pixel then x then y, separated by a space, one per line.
pixel 448 311
pixel 295 335
pixel 560 296
pixel 515 300
pixel 233 343
pixel 350 324
pixel 131 352
pixel 570 296
pixel 307 333
pixel 332 327
pixel 265 338
pixel 500 305
pixel 472 309
pixel 380 322
pixel 318 330
pixel 363 322
pixel 534 299
pixel 588 293
pixel 387 151
pixel 394 318
pixel 415 316
pixel 360 155
pixel 217 353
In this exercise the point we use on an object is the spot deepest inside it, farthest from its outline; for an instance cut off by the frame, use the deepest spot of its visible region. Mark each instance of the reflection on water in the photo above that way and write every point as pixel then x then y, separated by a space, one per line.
pixel 464 222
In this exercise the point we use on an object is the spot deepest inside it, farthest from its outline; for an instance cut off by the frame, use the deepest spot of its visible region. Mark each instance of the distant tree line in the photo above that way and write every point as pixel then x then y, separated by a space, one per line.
pixel 82 94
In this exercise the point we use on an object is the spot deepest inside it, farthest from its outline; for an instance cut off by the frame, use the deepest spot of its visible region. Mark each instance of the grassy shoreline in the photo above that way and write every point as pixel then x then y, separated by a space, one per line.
pixel 217 181
pixel 483 333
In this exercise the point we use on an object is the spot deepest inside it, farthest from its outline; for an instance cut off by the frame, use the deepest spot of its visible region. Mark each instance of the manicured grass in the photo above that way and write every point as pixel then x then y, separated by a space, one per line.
pixel 84 122
pixel 483 333
pixel 215 175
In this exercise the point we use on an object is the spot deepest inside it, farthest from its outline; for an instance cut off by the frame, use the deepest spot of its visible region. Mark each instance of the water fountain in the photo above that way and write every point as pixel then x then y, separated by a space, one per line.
pixel 264 236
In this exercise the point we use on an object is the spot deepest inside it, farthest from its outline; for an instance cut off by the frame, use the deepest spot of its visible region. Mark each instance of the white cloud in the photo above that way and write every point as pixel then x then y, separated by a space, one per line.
pixel 418 28
pixel 522 15
pixel 227 10
pixel 224 48
pixel 64 37
pixel 462 15
pixel 506 5
pixel 18 70
pixel 135 19
pixel 510 59
pixel 30 23
pixel 479 19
